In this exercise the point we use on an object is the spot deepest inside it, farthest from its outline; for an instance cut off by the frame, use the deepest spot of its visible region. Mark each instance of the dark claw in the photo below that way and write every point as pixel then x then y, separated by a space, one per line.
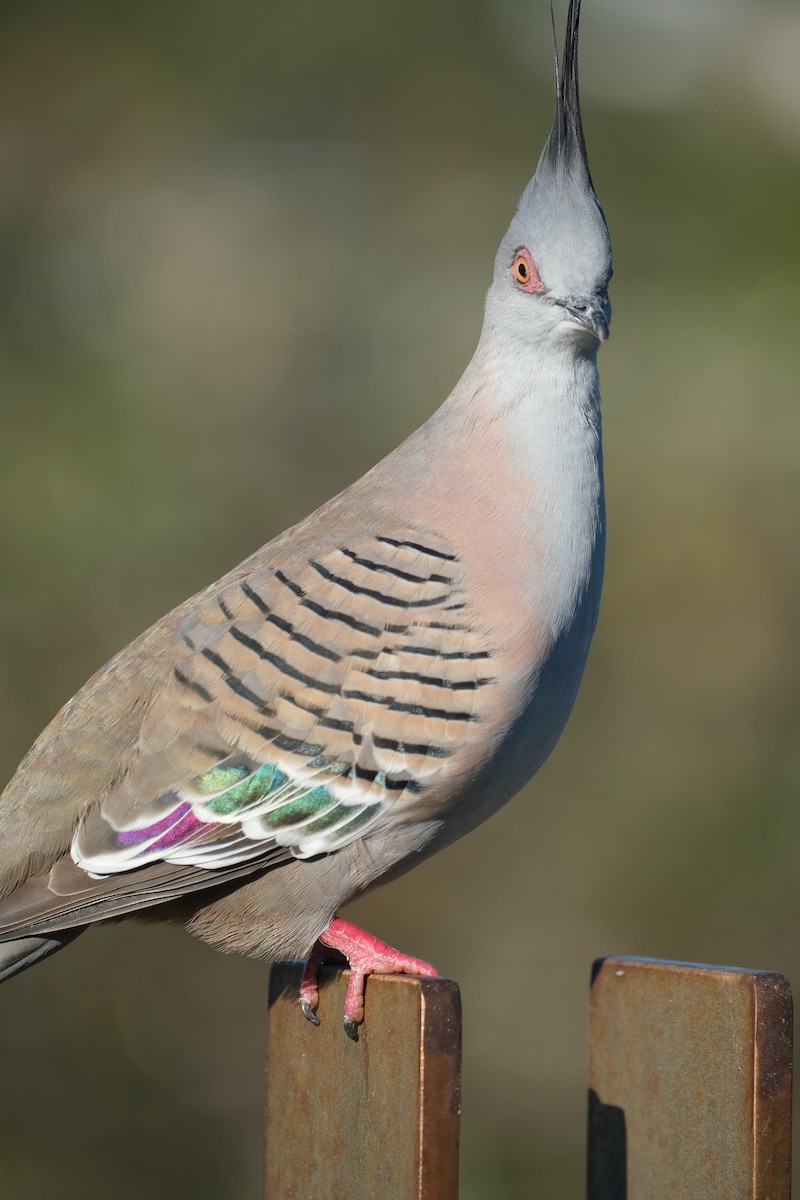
pixel 351 1028
pixel 309 1012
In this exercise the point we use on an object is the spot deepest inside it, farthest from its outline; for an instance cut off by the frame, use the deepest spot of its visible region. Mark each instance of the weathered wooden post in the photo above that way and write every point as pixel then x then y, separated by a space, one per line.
pixel 374 1118
pixel 690 1082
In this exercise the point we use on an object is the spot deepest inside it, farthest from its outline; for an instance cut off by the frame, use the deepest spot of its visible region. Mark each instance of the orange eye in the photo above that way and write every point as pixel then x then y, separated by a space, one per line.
pixel 523 270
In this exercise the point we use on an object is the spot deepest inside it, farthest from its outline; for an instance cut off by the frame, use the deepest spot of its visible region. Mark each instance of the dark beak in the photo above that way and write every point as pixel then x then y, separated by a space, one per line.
pixel 592 312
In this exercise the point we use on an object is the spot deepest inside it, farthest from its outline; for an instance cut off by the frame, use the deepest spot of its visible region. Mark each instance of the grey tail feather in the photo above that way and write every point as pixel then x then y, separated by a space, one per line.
pixel 20 953
pixel 566 139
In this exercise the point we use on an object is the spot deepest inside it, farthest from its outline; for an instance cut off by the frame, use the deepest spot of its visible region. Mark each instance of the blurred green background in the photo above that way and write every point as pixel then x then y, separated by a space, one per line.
pixel 243 249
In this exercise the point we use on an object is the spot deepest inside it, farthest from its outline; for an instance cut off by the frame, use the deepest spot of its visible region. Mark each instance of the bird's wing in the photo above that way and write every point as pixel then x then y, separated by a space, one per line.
pixel 304 707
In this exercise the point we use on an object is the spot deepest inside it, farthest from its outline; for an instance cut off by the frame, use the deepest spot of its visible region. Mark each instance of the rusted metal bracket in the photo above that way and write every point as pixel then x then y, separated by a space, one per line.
pixel 690 1082
pixel 690 1087
pixel 375 1118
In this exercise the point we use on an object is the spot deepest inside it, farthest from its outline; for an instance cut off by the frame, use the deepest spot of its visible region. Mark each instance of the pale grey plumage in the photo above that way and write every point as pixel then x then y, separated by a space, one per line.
pixel 375 681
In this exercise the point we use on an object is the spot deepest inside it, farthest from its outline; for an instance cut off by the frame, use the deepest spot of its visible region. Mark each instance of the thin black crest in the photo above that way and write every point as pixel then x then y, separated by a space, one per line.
pixel 566 141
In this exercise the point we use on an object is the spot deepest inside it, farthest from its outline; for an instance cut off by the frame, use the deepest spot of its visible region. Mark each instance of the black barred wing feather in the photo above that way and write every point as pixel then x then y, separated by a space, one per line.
pixel 307 704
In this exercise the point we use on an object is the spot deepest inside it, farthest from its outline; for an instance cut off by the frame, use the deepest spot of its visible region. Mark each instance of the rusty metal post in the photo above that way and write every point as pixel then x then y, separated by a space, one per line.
pixel 374 1118
pixel 690 1079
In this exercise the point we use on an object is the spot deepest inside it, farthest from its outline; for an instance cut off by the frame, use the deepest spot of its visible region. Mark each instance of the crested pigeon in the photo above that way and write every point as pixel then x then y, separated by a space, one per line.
pixel 375 681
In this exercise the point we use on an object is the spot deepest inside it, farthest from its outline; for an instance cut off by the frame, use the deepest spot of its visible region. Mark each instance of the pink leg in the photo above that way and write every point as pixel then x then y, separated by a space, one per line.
pixel 366 956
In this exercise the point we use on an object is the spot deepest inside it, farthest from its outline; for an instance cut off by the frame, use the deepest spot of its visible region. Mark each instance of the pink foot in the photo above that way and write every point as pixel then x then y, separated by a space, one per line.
pixel 365 956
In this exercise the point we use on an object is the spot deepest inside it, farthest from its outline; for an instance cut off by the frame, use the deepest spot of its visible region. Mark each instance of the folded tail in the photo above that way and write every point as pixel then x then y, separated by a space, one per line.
pixel 21 953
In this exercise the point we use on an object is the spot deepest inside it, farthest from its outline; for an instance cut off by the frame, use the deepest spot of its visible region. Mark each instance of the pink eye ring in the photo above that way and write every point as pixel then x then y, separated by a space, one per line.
pixel 523 270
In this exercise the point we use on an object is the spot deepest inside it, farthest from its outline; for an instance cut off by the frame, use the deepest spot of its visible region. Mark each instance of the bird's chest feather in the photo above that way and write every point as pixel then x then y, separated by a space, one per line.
pixel 521 503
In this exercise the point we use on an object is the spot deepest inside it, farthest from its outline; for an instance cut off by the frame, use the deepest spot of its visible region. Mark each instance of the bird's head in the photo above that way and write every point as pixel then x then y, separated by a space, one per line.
pixel 553 267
